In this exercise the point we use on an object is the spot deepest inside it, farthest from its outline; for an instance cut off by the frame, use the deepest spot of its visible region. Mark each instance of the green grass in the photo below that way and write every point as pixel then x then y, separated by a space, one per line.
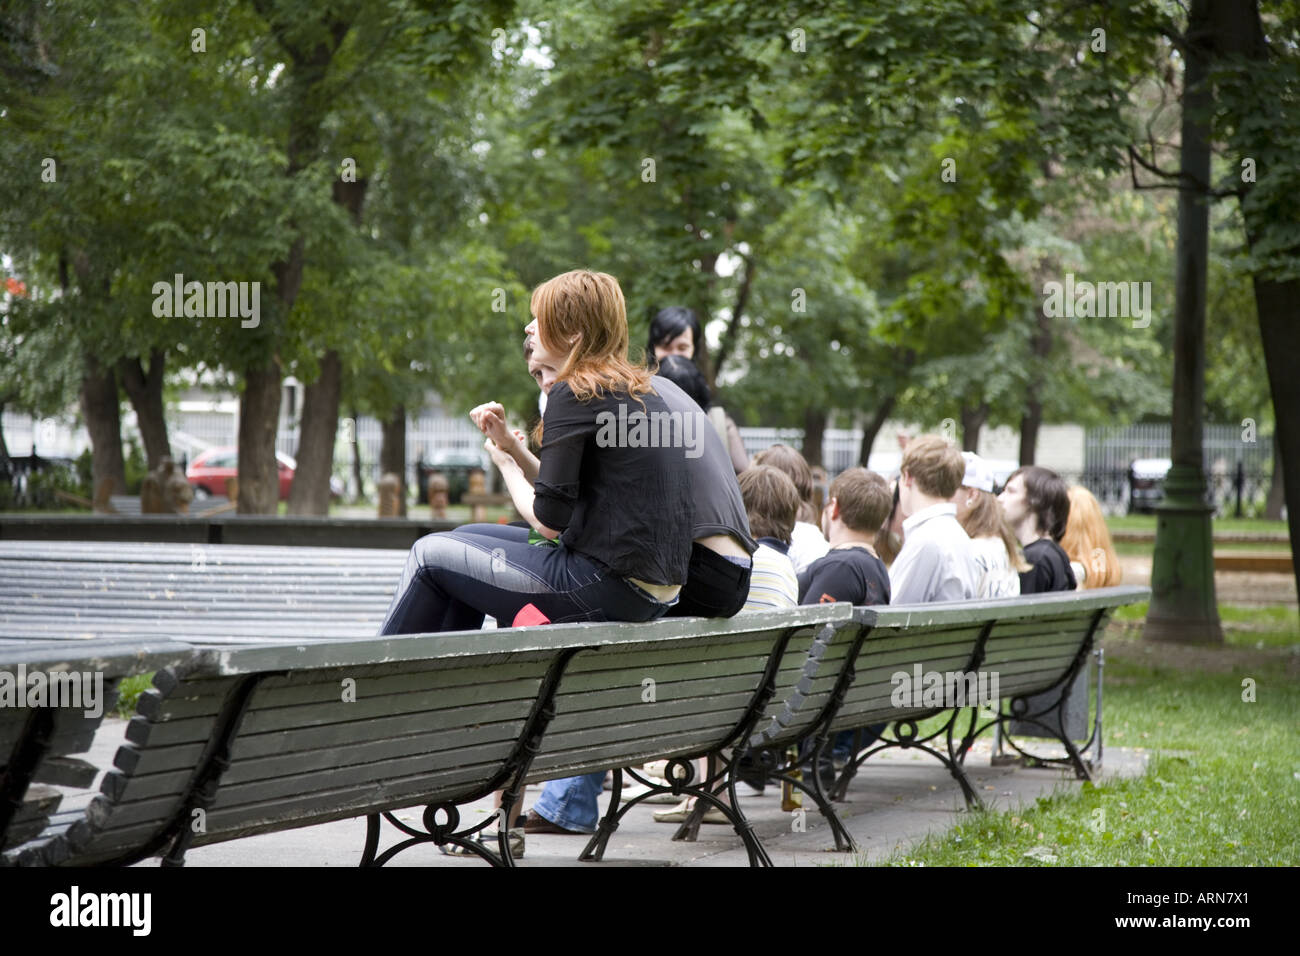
pixel 1276 625
pixel 1148 523
pixel 1222 788
pixel 129 694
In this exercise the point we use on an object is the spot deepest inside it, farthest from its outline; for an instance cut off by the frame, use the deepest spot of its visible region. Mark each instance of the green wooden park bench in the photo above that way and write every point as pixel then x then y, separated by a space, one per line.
pixel 287 713
pixel 244 740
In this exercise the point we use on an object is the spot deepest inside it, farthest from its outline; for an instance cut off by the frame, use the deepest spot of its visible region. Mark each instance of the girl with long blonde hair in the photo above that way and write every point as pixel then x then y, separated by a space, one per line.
pixel 1087 542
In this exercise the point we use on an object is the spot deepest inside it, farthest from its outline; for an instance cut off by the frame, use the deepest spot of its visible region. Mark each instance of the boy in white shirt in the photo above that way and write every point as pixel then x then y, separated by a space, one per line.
pixel 937 562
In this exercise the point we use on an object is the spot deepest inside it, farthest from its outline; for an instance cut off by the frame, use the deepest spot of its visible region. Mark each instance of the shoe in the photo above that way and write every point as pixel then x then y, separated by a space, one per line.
pixel 536 823
pixel 654 770
pixel 488 840
pixel 679 813
pixel 744 789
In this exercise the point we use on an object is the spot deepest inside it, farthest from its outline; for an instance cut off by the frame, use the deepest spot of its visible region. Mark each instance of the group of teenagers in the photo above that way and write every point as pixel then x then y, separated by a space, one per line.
pixel 629 532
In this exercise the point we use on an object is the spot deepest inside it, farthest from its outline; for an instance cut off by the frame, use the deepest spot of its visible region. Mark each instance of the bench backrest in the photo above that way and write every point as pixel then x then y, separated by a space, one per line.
pixel 1031 642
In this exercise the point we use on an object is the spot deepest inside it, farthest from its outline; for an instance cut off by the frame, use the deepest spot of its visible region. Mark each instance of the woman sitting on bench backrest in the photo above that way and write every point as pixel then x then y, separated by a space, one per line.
pixel 622 512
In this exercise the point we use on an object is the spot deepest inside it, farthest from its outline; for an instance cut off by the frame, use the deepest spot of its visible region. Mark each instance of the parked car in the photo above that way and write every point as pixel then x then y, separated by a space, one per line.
pixel 1146 482
pixel 210 469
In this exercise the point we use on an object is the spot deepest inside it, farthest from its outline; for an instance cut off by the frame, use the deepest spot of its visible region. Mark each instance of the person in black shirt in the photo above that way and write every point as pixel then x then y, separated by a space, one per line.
pixel 610 487
pixel 858 505
pixel 1037 505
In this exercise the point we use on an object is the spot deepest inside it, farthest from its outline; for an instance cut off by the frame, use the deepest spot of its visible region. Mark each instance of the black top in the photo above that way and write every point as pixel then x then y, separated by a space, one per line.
pixel 852 574
pixel 632 488
pixel 1051 569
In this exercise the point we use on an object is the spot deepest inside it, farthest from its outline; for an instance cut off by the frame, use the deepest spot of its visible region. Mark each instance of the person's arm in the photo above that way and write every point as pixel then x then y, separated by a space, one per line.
pixel 519 488
pixel 490 418
pixel 736 447
pixel 567 427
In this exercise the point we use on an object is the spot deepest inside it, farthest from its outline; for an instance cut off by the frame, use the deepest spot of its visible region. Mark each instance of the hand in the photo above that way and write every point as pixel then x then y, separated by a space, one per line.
pixel 490 419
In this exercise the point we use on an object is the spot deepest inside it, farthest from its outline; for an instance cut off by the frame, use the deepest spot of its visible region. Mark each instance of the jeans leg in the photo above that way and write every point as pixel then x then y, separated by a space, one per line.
pixel 571 802
pixel 453 578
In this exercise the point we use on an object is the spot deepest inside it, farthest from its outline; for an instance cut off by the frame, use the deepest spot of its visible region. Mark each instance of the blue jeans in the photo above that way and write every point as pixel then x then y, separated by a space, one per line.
pixel 571 802
pixel 454 578
pixel 716 587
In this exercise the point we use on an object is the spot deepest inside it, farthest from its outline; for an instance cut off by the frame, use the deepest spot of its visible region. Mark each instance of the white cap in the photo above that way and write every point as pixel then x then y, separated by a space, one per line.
pixel 978 473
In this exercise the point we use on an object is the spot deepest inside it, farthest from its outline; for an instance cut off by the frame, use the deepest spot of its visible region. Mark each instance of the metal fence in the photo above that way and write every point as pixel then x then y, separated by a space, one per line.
pixel 1238 464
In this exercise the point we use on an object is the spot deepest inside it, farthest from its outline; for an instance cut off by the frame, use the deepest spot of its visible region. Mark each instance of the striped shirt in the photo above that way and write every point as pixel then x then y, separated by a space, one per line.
pixel 772 583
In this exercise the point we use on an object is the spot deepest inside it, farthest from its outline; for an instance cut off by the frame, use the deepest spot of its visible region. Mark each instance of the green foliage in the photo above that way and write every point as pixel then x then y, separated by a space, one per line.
pixel 797 145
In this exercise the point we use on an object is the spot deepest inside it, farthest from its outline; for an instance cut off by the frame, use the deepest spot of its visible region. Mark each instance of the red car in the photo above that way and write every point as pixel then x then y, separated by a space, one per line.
pixel 209 471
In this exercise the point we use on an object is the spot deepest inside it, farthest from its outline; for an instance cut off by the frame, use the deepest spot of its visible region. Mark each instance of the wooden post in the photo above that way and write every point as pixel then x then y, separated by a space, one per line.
pixel 438 495
pixel 177 493
pixel 103 503
pixel 151 494
pixel 477 488
pixel 390 490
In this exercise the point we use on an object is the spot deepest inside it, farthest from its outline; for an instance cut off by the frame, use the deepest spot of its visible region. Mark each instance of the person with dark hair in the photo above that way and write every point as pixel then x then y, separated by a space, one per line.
pixel 673 331
pixel 675 334
pixel 1037 504
pixel 851 570
pixel 858 505
pixel 687 376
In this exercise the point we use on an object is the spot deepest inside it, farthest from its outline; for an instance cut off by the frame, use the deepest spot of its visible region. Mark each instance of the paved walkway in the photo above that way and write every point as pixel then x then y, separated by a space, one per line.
pixel 896 800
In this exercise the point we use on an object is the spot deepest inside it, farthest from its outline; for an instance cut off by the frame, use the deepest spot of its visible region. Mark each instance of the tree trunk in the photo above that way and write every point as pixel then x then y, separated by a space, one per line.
pixel 310 494
pixel 1276 489
pixel 1183 607
pixel 101 410
pixel 872 428
pixel 1237 30
pixel 1031 416
pixel 972 420
pixel 814 430
pixel 145 390
pixel 392 456
pixel 728 342
pixel 1278 304
pixel 259 418
pixel 305 84
pixel 356 459
pixel 1029 422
